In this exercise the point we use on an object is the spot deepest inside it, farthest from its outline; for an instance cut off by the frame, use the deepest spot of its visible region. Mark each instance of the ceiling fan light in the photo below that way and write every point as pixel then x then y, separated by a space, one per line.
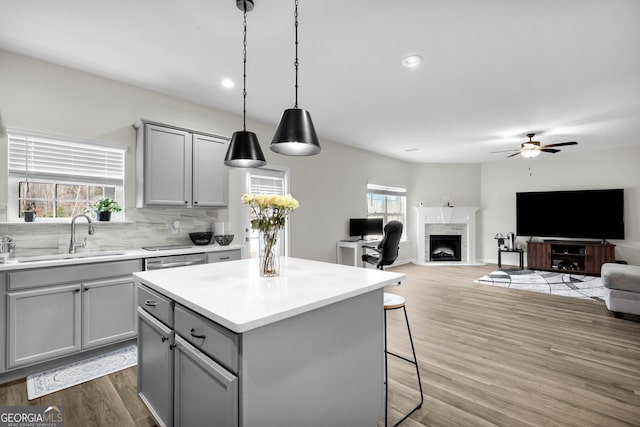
pixel 296 135
pixel 530 153
pixel 244 151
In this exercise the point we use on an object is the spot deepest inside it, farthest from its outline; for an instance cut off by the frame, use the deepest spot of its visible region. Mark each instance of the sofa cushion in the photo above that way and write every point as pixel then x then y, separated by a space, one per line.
pixel 621 276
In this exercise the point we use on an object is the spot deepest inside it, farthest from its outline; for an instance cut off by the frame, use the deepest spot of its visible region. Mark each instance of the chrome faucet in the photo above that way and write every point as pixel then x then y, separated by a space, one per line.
pixel 73 245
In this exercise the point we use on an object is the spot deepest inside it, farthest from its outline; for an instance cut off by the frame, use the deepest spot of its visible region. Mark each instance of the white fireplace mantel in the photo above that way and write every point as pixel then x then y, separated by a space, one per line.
pixel 447 215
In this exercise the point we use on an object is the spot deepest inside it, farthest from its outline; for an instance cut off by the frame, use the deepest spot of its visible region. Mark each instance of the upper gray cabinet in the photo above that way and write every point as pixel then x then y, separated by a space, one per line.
pixel 179 167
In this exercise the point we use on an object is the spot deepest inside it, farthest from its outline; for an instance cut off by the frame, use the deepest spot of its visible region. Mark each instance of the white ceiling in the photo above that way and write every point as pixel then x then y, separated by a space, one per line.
pixel 493 70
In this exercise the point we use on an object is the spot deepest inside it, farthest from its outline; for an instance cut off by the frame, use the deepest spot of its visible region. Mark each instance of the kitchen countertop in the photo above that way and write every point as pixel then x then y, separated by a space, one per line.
pixel 106 256
pixel 233 294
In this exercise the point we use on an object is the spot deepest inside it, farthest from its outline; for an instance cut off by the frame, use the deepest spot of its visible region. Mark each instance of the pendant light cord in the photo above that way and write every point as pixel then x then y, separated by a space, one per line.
pixel 244 70
pixel 296 63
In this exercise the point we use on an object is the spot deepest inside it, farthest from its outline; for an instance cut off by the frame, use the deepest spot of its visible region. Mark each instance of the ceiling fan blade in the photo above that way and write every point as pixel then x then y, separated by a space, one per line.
pixel 549 150
pixel 503 151
pixel 514 154
pixel 560 144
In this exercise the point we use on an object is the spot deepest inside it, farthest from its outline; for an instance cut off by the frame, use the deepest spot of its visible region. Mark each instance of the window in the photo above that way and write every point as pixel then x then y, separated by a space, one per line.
pixel 388 203
pixel 266 181
pixel 59 177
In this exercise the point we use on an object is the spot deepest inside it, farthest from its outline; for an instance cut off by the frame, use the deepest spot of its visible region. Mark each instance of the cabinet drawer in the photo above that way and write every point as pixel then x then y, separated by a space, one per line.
pixel 230 255
pixel 46 276
pixel 156 304
pixel 212 339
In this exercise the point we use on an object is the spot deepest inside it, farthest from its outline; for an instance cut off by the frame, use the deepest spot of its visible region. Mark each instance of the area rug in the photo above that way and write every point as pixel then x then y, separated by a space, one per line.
pixel 76 373
pixel 565 284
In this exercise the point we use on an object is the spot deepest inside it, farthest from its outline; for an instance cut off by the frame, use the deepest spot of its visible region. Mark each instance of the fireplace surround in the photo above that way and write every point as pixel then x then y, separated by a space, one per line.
pixel 446 221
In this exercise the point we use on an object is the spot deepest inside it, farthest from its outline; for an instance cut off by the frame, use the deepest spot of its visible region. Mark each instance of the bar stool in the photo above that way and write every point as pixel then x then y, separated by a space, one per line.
pixel 394 302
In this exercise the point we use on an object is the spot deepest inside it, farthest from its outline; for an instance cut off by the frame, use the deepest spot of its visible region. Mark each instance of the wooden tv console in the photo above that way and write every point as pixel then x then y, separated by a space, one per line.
pixel 569 256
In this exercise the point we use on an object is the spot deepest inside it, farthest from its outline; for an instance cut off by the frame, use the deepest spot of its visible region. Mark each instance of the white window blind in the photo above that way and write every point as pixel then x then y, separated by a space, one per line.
pixel 266 182
pixel 386 190
pixel 53 158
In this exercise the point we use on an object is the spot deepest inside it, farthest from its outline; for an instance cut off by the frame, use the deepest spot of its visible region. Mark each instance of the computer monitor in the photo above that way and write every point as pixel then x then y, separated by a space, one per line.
pixel 365 227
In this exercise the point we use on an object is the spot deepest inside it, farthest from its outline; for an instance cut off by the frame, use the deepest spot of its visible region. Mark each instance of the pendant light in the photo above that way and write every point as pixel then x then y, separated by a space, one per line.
pixel 244 149
pixel 296 135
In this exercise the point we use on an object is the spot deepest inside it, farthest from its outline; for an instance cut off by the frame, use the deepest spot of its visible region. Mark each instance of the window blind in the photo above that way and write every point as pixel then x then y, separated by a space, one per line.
pixel 266 182
pixel 386 190
pixel 35 156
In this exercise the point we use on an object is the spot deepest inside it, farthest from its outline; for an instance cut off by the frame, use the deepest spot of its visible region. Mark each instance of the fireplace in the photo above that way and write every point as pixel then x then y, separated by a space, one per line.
pixel 445 247
pixel 446 221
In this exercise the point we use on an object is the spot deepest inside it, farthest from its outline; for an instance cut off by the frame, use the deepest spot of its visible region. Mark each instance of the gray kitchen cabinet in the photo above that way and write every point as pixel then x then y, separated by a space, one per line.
pixel 187 365
pixel 155 367
pixel 209 171
pixel 108 311
pixel 56 311
pixel 167 166
pixel 179 167
pixel 43 324
pixel 205 392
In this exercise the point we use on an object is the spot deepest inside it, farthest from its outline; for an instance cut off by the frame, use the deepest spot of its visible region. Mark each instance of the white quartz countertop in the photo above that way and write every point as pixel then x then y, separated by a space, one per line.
pixel 56 260
pixel 234 295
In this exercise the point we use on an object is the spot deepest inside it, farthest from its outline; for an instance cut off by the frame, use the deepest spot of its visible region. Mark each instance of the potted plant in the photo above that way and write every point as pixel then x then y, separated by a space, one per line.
pixel 29 212
pixel 104 207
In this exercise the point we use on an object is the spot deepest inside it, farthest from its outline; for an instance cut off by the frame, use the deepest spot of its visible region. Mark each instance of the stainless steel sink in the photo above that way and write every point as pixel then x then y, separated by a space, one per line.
pixel 69 256
pixel 165 248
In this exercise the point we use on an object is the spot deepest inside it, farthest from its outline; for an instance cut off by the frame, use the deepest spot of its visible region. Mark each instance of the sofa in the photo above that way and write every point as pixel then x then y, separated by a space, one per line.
pixel 621 288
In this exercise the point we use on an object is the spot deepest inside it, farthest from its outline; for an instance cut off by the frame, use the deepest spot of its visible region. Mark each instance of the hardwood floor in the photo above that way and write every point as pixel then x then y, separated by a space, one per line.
pixel 494 356
pixel 107 401
pixel 488 357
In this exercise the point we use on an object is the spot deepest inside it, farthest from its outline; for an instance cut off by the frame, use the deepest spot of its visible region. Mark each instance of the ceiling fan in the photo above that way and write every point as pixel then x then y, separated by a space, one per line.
pixel 533 148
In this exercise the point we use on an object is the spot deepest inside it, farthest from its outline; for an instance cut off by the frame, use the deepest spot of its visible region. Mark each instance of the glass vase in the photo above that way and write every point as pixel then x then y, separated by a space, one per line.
pixel 269 253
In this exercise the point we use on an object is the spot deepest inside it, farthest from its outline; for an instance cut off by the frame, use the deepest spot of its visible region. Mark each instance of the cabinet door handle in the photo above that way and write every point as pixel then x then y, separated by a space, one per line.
pixel 164 338
pixel 150 303
pixel 223 258
pixel 197 335
pixel 86 289
pixel 77 290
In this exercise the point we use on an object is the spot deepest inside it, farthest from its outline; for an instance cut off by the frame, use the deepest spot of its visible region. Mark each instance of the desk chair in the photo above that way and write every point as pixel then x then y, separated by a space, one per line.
pixel 387 249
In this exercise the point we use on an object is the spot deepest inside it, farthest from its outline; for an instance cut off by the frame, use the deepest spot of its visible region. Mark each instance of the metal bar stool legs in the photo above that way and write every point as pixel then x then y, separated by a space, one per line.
pixel 393 302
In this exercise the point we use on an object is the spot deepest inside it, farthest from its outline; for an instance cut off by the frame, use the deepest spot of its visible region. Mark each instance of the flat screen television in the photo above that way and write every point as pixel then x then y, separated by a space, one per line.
pixel 581 214
pixel 363 227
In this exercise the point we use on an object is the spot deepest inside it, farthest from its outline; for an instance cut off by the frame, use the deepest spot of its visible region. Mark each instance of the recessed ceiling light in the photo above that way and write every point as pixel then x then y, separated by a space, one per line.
pixel 227 83
pixel 408 150
pixel 411 61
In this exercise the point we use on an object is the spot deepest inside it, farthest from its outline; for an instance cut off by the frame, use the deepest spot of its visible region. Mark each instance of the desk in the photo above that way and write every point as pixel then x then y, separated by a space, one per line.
pixel 520 252
pixel 356 247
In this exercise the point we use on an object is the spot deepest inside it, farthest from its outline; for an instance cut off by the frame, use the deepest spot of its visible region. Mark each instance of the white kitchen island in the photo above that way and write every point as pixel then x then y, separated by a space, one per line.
pixel 301 349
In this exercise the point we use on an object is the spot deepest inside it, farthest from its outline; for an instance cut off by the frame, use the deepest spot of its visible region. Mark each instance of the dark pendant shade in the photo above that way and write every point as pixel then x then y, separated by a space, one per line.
pixel 244 151
pixel 296 135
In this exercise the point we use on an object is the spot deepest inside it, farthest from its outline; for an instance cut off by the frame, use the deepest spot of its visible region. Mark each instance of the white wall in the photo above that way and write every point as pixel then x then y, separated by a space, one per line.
pixel 433 184
pixel 615 168
pixel 331 187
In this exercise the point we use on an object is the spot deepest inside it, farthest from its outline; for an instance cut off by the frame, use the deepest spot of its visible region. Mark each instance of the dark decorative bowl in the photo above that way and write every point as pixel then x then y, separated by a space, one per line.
pixel 223 239
pixel 201 237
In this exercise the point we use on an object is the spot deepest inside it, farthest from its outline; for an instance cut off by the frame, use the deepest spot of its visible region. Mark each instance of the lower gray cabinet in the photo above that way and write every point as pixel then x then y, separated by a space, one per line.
pixel 205 392
pixel 155 367
pixel 43 324
pixel 108 311
pixel 55 311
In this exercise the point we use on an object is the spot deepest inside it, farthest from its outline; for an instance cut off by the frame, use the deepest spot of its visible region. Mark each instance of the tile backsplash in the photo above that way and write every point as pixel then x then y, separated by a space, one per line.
pixel 143 227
